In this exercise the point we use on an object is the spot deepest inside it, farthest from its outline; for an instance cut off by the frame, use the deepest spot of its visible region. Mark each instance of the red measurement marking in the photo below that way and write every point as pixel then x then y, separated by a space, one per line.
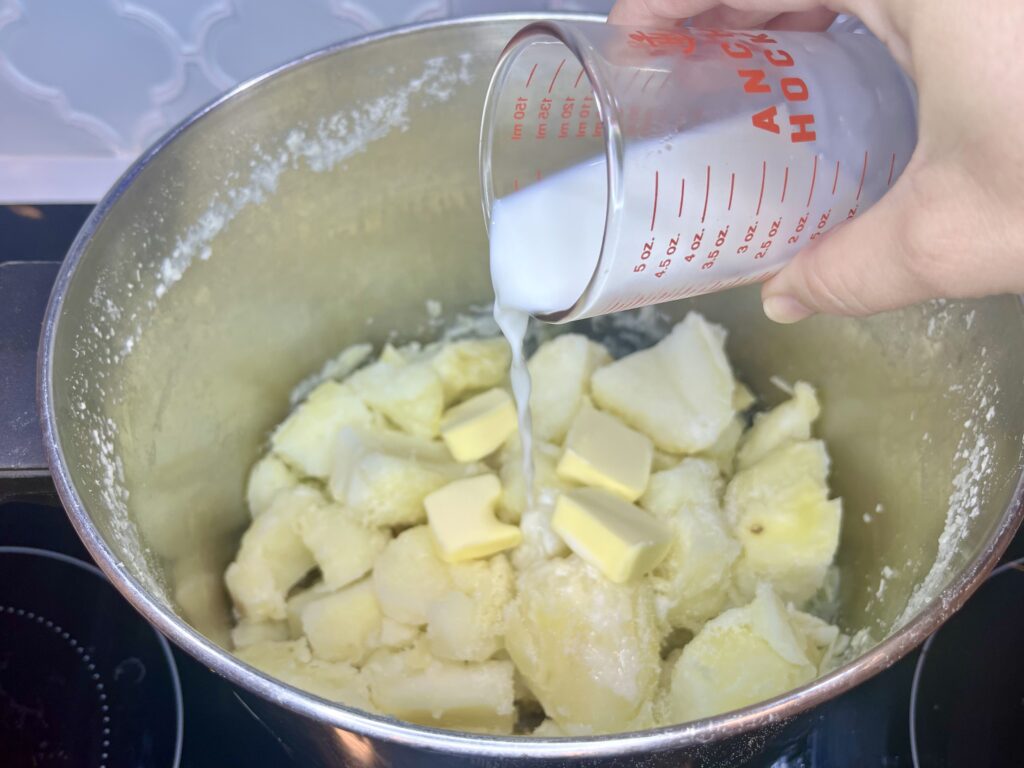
pixel 863 173
pixel 814 176
pixel 515 185
pixel 892 167
pixel 530 78
pixel 557 72
pixel 682 196
pixel 654 213
pixel 578 78
pixel 537 175
pixel 785 183
pixel 732 187
pixel 760 196
pixel 647 82
pixel 835 181
pixel 707 192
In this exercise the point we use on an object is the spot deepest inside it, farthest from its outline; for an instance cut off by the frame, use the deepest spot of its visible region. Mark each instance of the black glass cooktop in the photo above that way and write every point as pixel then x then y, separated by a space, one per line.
pixel 111 693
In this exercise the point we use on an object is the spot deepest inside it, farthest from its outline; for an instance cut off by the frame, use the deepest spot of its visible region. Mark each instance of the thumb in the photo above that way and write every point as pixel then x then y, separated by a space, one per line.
pixel 863 266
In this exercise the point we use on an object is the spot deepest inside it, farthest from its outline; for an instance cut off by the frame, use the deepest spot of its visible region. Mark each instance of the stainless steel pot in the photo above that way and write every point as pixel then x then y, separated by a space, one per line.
pixel 323 204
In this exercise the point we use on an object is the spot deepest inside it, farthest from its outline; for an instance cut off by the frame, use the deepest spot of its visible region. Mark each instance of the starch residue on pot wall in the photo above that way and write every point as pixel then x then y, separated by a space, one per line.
pixel 117 332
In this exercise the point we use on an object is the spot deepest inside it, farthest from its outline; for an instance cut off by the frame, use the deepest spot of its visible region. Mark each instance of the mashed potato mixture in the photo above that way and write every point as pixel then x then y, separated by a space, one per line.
pixel 658 571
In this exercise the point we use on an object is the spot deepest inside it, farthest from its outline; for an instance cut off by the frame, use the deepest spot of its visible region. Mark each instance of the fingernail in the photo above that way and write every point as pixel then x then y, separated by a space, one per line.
pixel 785 309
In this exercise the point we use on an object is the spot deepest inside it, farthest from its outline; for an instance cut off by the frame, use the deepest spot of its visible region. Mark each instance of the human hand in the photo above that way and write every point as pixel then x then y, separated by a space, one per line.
pixel 953 224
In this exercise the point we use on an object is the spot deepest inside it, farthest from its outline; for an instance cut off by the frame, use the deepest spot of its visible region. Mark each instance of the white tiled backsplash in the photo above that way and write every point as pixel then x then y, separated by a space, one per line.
pixel 86 85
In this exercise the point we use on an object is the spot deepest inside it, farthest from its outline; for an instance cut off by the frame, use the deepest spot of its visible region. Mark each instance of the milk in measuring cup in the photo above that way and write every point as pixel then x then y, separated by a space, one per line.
pixel 715 213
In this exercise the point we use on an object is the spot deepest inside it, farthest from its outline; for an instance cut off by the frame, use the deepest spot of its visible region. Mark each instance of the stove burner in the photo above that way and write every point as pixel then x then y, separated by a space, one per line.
pixel 967 702
pixel 83 679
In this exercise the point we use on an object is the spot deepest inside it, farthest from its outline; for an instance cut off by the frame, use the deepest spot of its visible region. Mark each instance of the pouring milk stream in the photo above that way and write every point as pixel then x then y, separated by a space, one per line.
pixel 625 167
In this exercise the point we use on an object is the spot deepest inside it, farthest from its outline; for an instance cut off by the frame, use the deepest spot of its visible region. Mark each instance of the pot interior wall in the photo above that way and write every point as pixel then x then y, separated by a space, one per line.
pixel 324 207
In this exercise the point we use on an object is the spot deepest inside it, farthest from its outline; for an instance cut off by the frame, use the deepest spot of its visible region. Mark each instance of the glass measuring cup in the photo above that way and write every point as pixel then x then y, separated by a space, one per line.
pixel 624 167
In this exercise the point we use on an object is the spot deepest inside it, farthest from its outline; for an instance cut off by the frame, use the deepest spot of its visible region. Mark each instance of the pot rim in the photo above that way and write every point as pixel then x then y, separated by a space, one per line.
pixel 221 661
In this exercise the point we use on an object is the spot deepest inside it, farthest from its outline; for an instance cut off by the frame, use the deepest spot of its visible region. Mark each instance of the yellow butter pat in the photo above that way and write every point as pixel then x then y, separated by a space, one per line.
pixel 479 426
pixel 613 535
pixel 461 517
pixel 603 452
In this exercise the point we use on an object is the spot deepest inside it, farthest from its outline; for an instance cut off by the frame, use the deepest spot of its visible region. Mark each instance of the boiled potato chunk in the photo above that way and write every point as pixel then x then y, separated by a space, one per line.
pixel 588 648
pixel 251 632
pixel 742 397
pixel 414 686
pixel 781 513
pixel 408 576
pixel 723 451
pixel 342 626
pixel 467 623
pixel 395 634
pixel 354 442
pixel 336 368
pixel 789 421
pixel 822 641
pixel 382 477
pixel 743 656
pixel 269 475
pixel 386 490
pixel 306 438
pixel 692 582
pixel 693 482
pixel 409 395
pixel 471 365
pixel 392 356
pixel 678 392
pixel 297 603
pixel 560 370
pixel 662 460
pixel 293 662
pixel 343 548
pixel 272 557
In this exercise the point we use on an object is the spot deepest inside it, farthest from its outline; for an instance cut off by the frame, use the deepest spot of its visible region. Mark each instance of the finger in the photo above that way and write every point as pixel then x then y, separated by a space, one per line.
pixel 659 12
pixel 724 17
pixel 864 266
pixel 656 13
pixel 815 20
